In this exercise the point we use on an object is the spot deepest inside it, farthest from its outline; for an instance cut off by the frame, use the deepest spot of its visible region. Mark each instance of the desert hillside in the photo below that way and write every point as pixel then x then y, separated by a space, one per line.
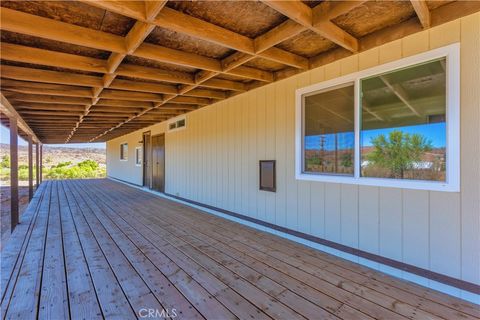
pixel 55 155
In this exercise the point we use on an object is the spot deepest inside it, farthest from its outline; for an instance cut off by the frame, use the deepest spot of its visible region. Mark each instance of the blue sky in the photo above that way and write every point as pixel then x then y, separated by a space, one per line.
pixel 5 138
pixel 435 132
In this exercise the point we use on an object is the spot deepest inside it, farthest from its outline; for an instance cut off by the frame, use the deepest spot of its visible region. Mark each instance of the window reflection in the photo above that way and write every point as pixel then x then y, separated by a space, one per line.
pixel 329 137
pixel 403 123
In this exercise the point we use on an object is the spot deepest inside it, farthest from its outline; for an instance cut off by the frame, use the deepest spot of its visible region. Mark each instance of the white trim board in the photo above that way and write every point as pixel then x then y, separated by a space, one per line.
pixel 428 283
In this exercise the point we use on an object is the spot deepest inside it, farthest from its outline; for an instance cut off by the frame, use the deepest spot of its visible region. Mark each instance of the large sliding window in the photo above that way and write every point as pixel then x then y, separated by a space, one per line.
pixel 393 125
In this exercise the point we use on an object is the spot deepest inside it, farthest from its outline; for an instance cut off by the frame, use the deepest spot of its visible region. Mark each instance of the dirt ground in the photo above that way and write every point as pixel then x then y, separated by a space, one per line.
pixel 5 210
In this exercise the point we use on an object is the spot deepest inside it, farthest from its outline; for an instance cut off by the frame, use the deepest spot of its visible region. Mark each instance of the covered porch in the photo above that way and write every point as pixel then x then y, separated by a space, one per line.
pixel 89 249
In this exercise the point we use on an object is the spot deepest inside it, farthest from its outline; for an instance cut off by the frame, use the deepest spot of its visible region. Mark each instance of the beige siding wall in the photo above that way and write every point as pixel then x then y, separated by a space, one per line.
pixel 215 161
pixel 127 170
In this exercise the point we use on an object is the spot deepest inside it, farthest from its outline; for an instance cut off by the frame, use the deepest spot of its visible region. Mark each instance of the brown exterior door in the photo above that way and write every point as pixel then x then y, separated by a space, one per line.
pixel 158 162
pixel 147 160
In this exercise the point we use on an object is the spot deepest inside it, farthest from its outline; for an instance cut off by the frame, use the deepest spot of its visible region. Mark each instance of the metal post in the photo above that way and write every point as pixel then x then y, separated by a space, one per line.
pixel 13 173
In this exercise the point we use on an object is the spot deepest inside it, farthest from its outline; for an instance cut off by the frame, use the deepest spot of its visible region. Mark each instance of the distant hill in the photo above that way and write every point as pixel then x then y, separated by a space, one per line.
pixel 55 155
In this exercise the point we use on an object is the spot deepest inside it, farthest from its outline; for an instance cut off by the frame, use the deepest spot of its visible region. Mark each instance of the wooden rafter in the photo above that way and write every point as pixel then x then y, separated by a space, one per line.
pixel 116 102
pixel 303 14
pixel 423 13
pixel 263 46
pixel 7 109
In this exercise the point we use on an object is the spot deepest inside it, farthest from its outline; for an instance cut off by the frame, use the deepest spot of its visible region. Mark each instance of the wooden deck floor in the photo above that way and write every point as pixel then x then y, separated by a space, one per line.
pixel 96 248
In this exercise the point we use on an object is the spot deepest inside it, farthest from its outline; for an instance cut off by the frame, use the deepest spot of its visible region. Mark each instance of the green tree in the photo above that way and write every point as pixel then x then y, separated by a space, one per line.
pixel 5 163
pixel 398 152
pixel 347 160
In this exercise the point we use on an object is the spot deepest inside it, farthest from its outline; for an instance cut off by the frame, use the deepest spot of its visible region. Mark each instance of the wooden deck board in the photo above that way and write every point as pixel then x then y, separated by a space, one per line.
pixel 427 299
pixel 12 255
pixel 88 249
pixel 81 292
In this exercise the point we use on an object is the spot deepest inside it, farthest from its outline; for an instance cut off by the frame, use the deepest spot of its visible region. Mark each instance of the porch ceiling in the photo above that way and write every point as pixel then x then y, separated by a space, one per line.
pixel 80 71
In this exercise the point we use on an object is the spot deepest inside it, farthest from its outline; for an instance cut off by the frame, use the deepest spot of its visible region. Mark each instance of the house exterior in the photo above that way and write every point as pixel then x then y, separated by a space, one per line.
pixel 431 232
pixel 350 127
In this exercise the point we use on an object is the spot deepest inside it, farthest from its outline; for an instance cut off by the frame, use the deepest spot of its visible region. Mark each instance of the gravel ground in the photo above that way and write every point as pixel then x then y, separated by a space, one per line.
pixel 5 210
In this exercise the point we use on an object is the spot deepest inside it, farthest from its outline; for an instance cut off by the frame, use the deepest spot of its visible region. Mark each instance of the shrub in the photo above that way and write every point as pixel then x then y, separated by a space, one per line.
pixel 5 163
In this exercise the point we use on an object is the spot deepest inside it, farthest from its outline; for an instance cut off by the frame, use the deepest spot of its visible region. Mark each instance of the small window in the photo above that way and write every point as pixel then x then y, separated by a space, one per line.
pixel 177 124
pixel 124 151
pixel 267 175
pixel 138 156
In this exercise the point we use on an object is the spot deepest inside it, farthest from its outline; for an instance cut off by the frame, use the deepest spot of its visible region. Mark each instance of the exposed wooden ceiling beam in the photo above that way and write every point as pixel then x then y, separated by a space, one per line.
pixel 29 74
pixel 124 103
pixel 303 14
pixel 252 73
pixel 44 106
pixel 280 33
pixel 39 85
pixel 133 40
pixel 20 22
pixel 205 93
pixel 132 9
pixel 51 113
pixel 224 84
pixel 143 86
pixel 7 109
pixel 14 52
pixel 130 95
pixel 52 92
pixel 178 57
pixel 183 23
pixel 49 99
pixel 190 100
pixel 330 9
pixel 423 13
pixel 154 74
pixel 68 33
pixel 46 76
pixel 70 91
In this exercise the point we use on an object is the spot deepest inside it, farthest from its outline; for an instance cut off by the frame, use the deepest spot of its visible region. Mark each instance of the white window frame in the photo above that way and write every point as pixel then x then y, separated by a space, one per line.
pixel 138 155
pixel 452 182
pixel 176 120
pixel 126 156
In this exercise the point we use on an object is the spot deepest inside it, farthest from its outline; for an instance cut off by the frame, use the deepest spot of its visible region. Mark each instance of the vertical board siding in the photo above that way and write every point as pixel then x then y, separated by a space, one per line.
pixel 470 148
pixel 368 219
pixel 215 161
pixel 280 154
pixel 416 244
pixel 333 212
pixel 349 215
pixel 390 215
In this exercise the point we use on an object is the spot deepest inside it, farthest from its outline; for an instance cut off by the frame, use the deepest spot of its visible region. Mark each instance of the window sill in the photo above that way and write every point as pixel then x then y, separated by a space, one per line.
pixel 380 182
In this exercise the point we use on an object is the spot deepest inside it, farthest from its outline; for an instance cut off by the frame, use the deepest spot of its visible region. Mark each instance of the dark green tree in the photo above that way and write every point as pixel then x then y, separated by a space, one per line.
pixel 398 152
pixel 347 160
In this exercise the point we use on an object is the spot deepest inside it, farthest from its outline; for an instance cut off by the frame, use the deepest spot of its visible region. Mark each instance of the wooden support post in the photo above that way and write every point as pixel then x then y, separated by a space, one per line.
pixel 37 166
pixel 14 173
pixel 30 168
pixel 40 164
